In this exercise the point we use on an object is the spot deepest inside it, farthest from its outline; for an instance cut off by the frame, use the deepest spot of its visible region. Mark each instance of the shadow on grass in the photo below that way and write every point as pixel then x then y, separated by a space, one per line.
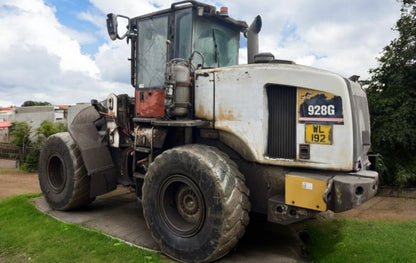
pixel 267 242
pixel 321 237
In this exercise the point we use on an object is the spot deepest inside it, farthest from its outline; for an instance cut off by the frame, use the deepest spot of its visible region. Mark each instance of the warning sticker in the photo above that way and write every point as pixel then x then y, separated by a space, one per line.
pixel 307 186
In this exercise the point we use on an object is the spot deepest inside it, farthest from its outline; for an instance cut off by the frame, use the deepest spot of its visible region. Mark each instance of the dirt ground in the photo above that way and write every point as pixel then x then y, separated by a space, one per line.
pixel 13 183
pixel 382 208
pixel 378 208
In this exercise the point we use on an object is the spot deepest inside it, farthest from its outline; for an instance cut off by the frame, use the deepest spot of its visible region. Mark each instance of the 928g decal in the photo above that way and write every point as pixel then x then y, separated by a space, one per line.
pixel 321 110
pixel 319 107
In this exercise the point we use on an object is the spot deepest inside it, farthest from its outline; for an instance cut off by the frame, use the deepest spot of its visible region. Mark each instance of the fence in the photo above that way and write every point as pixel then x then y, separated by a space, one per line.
pixel 9 151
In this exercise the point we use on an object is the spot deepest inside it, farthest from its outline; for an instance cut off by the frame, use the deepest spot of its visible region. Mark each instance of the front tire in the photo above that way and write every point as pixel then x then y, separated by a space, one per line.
pixel 63 178
pixel 195 203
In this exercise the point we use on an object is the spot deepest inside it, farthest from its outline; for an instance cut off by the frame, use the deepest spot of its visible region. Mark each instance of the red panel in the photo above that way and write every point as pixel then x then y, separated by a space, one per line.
pixel 150 103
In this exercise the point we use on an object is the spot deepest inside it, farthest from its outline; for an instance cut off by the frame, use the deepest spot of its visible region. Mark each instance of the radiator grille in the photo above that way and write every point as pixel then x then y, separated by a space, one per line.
pixel 281 142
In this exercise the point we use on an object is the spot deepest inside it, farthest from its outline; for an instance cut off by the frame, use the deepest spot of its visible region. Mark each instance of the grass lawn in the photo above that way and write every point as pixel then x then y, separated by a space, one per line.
pixel 26 234
pixel 341 240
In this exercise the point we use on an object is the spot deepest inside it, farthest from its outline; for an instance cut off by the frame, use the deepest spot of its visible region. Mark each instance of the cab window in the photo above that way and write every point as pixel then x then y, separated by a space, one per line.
pixel 152 48
pixel 218 43
pixel 183 34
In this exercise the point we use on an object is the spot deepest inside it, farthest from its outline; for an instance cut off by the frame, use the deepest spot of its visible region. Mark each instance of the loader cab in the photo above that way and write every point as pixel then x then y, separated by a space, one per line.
pixel 177 32
pixel 189 30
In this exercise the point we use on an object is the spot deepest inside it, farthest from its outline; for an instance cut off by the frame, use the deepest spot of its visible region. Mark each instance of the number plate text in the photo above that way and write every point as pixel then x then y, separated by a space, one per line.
pixel 318 134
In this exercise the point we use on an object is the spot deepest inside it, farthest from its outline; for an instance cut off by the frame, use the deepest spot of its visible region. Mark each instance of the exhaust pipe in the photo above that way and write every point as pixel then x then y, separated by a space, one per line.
pixel 252 35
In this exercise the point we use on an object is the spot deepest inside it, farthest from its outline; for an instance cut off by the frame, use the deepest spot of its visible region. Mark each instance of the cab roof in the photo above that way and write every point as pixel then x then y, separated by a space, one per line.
pixel 208 11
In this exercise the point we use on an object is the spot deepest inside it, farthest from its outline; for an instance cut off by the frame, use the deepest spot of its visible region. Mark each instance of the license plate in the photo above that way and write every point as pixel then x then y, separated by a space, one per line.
pixel 318 134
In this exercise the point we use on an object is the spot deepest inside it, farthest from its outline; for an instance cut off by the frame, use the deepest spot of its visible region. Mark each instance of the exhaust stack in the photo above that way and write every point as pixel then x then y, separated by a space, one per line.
pixel 253 39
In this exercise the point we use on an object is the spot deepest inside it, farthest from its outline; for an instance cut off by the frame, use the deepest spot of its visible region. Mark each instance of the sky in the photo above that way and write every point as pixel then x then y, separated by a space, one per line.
pixel 59 50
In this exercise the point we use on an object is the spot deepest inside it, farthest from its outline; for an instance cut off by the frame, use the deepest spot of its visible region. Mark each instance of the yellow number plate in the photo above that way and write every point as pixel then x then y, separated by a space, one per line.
pixel 318 134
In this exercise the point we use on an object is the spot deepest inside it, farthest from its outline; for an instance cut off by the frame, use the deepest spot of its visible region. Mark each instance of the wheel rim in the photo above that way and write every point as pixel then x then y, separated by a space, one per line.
pixel 56 173
pixel 181 205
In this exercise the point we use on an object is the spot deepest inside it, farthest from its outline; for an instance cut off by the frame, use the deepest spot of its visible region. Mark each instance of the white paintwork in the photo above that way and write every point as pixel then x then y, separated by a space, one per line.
pixel 204 96
pixel 239 95
pixel 114 136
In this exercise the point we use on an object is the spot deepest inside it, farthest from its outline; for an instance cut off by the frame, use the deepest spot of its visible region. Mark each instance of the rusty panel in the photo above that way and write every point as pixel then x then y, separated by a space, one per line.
pixel 150 102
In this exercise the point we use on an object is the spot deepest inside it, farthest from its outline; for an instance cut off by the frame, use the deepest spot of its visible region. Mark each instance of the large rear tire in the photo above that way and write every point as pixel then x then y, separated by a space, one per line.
pixel 63 178
pixel 195 203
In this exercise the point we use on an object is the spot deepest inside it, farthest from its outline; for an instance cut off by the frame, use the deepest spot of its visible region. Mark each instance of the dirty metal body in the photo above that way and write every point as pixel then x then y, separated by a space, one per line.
pixel 241 108
pixel 236 101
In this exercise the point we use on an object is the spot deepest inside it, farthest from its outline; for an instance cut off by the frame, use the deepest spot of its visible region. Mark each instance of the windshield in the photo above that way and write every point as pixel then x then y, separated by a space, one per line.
pixel 217 43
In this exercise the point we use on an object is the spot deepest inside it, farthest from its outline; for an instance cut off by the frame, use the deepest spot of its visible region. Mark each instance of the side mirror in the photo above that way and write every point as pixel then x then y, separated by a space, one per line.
pixel 112 26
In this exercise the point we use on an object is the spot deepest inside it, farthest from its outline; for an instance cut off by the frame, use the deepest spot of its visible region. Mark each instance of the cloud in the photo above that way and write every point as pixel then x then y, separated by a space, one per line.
pixel 37 77
pixel 45 60
pixel 32 24
pixel 112 59
pixel 80 37
pixel 128 7
pixel 42 59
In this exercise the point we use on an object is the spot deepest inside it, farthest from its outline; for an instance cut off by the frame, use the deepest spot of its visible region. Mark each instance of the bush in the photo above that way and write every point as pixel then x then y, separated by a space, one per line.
pixel 20 132
pixel 48 128
pixel 30 163
pixel 31 146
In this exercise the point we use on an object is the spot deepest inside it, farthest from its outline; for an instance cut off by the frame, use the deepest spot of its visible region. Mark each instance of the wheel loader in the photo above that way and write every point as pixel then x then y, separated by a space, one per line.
pixel 207 142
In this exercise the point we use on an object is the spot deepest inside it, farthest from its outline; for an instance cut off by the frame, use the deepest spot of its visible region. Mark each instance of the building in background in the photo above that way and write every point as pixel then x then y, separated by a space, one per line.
pixel 33 115
pixel 5 124
pixel 5 131
pixel 6 113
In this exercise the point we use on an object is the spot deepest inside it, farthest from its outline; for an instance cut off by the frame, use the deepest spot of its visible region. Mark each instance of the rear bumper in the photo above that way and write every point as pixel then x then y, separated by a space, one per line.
pixel 351 190
pixel 309 193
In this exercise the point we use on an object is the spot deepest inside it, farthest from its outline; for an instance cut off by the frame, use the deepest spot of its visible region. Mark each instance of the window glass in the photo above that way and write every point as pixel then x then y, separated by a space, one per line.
pixel 152 47
pixel 217 43
pixel 183 33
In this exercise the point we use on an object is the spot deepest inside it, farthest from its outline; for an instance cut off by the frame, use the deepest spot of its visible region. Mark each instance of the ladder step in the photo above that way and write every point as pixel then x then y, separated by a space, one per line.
pixel 138 175
pixel 143 149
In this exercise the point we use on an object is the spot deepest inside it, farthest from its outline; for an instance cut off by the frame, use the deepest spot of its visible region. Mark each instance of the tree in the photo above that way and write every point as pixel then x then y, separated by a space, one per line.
pixel 47 128
pixel 392 101
pixel 31 146
pixel 21 132
pixel 29 103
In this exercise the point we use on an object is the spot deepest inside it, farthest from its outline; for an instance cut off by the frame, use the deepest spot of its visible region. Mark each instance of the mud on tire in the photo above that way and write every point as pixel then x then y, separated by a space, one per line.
pixel 63 178
pixel 195 203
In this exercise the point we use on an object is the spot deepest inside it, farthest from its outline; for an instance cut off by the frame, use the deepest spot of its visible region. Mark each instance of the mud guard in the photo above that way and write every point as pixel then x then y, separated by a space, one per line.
pixel 94 151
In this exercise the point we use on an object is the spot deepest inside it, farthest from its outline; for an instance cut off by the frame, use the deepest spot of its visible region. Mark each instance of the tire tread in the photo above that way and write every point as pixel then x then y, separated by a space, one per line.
pixel 229 180
pixel 80 195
